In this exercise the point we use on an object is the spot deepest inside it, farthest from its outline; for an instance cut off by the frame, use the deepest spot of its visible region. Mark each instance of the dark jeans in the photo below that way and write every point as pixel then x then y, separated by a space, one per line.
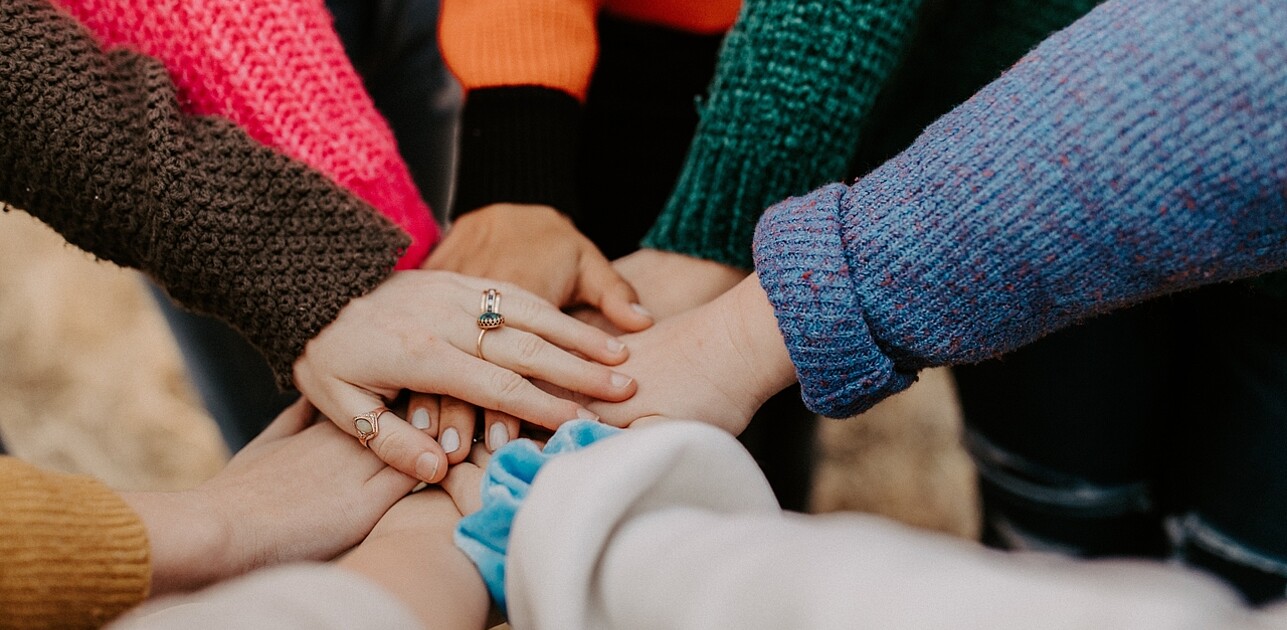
pixel 393 45
pixel 1159 431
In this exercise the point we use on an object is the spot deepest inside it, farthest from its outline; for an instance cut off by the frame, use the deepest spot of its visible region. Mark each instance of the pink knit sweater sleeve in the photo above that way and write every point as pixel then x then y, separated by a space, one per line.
pixel 277 69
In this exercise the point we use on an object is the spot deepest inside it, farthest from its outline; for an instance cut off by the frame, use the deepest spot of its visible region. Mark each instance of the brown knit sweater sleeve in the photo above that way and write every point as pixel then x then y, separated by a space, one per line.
pixel 72 553
pixel 95 145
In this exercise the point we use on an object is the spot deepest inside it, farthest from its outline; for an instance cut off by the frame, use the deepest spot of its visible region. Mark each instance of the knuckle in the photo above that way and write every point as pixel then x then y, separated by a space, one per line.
pixel 526 309
pixel 529 349
pixel 395 451
pixel 507 385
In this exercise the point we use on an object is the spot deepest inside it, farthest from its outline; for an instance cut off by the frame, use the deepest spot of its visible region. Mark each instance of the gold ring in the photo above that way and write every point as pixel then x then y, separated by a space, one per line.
pixel 479 346
pixel 368 425
pixel 490 309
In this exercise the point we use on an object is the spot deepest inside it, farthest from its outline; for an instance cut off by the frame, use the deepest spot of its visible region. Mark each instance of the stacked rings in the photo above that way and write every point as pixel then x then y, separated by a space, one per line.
pixel 489 318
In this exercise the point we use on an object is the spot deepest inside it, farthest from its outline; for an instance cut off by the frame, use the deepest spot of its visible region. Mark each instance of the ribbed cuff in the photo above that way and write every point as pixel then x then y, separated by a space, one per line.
pixel 518 144
pixel 803 267
pixel 73 555
pixel 794 84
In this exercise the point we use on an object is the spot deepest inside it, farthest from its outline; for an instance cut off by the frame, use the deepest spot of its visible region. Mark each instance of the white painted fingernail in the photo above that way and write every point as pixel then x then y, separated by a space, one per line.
pixel 450 440
pixel 615 346
pixel 426 466
pixel 585 414
pixel 620 380
pixel 420 418
pixel 641 310
pixel 499 436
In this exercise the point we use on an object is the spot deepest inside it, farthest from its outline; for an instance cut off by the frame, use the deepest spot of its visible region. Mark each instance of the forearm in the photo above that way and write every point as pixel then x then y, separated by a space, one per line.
pixel 188 541
pixel 792 87
pixel 754 334
pixel 411 555
pixel 1137 153
pixel 94 144
pixel 428 574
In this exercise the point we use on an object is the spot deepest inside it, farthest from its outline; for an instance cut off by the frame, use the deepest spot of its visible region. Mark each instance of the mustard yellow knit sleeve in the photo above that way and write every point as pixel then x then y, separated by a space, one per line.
pixel 72 553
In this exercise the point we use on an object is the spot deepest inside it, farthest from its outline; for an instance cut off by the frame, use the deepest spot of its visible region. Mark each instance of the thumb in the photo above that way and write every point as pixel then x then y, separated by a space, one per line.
pixel 603 288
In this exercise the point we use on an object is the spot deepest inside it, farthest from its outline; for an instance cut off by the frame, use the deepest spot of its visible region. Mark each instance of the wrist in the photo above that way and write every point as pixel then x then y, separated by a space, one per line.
pixel 188 539
pixel 768 363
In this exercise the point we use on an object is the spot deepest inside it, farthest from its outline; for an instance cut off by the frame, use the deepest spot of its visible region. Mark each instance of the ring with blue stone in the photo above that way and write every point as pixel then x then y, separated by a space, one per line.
pixel 490 320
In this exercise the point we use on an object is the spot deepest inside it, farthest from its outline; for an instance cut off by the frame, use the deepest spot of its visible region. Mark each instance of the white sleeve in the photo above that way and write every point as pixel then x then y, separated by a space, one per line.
pixel 302 596
pixel 673 526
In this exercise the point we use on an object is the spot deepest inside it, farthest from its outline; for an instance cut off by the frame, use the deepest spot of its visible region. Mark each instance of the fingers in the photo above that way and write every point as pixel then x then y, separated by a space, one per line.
pixel 530 355
pixel 423 412
pixel 603 288
pixel 456 428
pixel 462 485
pixel 396 442
pixel 527 312
pixel 290 421
pixel 493 387
pixel 501 428
pixel 388 484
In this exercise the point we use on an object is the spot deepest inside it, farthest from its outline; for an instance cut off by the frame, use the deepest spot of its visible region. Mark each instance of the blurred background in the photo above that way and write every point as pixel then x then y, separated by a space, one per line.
pixel 91 382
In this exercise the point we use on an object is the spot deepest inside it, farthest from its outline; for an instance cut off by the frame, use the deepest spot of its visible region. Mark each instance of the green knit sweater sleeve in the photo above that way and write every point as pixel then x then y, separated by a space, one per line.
pixel 793 83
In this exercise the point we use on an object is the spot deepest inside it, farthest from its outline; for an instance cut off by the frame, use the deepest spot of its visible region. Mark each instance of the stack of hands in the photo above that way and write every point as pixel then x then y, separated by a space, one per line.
pixel 631 340
pixel 632 346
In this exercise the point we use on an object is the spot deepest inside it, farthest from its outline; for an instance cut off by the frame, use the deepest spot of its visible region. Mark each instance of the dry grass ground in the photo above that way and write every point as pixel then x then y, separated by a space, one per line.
pixel 90 382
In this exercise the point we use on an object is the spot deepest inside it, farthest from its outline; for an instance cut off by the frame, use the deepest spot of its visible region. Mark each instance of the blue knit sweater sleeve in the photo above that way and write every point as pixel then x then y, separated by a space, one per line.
pixel 1141 151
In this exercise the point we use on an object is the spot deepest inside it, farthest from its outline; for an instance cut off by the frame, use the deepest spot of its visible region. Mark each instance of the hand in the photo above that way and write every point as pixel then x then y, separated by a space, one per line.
pixel 451 421
pixel 418 331
pixel 296 492
pixel 412 555
pixel 717 363
pixel 564 268
pixel 537 248
pixel 669 283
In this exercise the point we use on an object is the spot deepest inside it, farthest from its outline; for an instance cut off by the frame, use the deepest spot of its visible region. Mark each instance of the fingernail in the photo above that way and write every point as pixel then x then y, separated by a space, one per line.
pixel 450 440
pixel 620 380
pixel 615 346
pixel 498 435
pixel 641 310
pixel 420 418
pixel 585 414
pixel 426 466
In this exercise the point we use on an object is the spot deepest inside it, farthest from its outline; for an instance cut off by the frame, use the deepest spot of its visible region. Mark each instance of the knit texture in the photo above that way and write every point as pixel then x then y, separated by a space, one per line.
pixel 95 145
pixel 1141 151
pixel 276 68
pixel 794 81
pixel 72 553
pixel 526 67
pixel 552 43
pixel 518 145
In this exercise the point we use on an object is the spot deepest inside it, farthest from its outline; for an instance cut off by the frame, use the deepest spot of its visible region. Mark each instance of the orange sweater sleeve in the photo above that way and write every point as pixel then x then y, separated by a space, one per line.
pixel 525 66
pixel 72 553
pixel 499 43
